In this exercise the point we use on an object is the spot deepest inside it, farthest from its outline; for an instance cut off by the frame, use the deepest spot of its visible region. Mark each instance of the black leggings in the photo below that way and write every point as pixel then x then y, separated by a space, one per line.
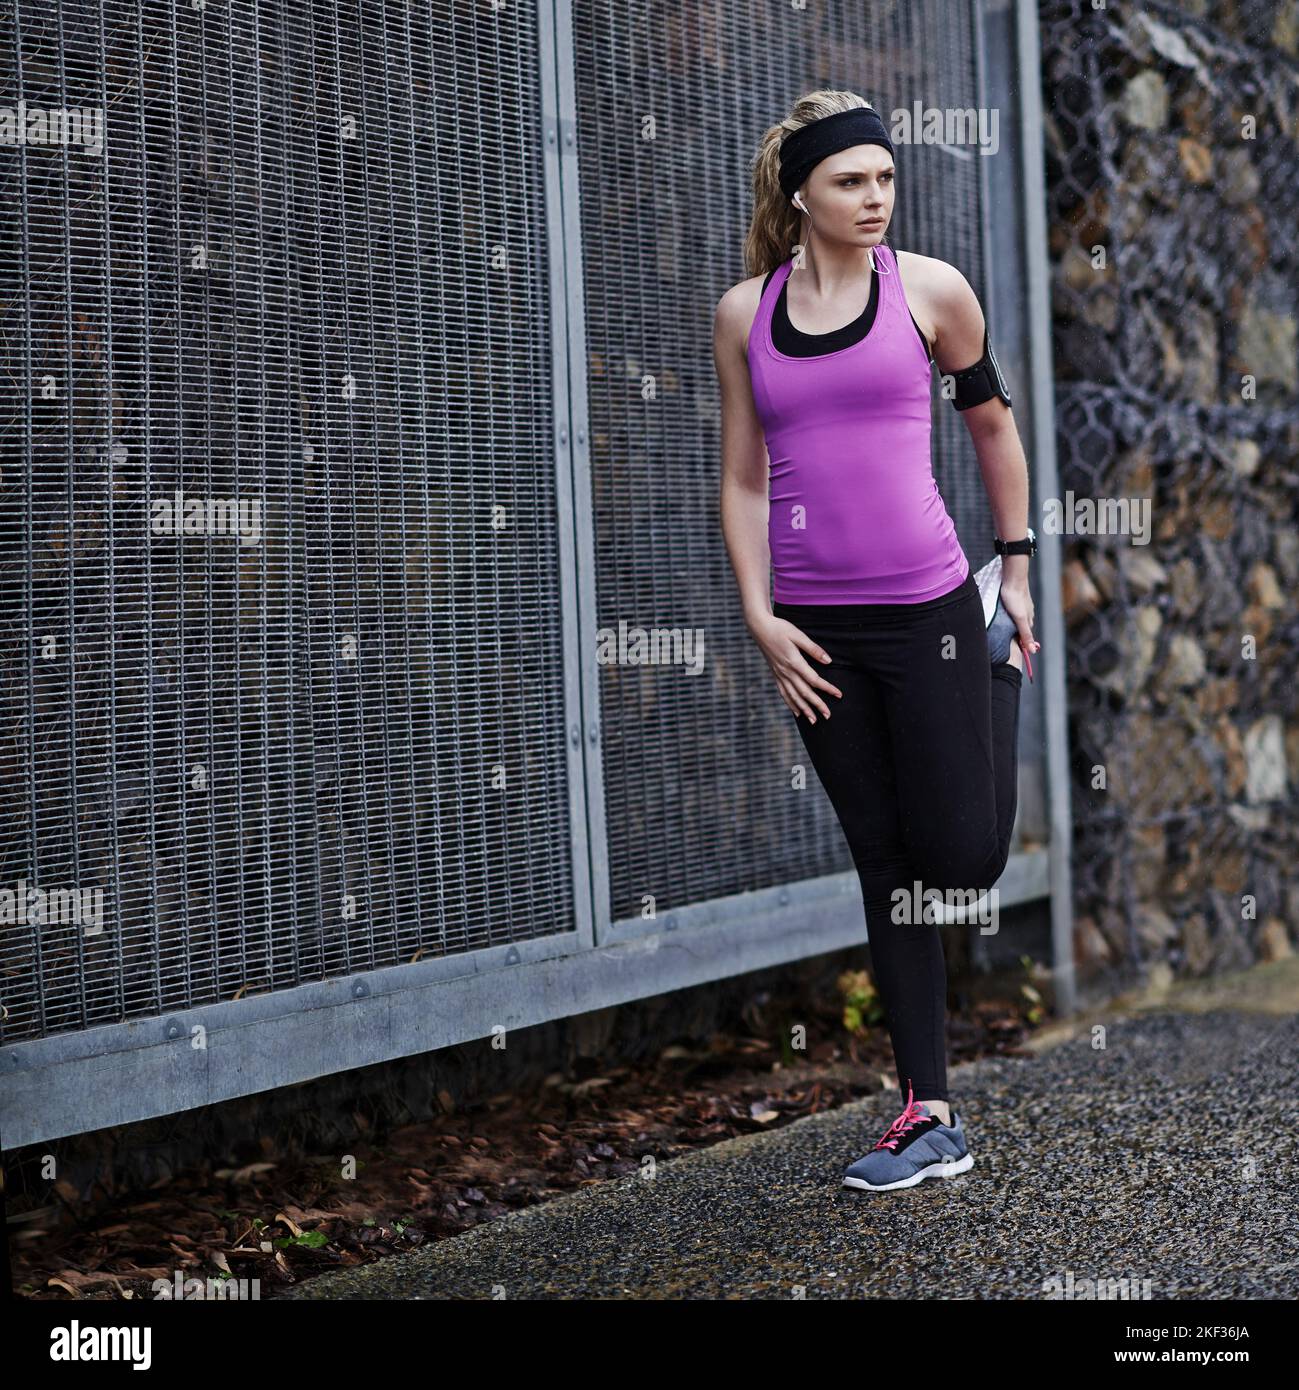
pixel 920 760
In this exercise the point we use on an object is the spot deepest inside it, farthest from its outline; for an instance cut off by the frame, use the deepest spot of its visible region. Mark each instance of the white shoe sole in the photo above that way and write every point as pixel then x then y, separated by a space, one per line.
pixel 988 582
pixel 935 1170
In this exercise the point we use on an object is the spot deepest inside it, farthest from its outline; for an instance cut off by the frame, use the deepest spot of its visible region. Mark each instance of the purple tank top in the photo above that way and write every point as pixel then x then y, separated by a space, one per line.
pixel 855 511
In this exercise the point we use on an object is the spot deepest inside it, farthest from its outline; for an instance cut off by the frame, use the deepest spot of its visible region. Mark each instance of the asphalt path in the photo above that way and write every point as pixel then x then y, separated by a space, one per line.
pixel 1151 1152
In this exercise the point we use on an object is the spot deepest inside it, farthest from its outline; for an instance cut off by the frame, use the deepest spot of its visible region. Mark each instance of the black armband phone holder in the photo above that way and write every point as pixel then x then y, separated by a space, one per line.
pixel 980 382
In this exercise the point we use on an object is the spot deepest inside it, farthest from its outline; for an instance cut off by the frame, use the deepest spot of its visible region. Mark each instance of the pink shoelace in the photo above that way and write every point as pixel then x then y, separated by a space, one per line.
pixel 909 1117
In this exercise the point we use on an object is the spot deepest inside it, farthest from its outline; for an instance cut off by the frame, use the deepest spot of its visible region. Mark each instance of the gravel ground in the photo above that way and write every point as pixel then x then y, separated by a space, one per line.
pixel 1166 1155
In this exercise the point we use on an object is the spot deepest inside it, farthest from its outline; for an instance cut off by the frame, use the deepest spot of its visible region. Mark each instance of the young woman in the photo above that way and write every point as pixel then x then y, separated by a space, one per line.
pixel 823 359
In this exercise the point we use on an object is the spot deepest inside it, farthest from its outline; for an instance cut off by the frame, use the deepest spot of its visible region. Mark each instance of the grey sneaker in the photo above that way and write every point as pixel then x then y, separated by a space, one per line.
pixel 914 1147
pixel 1000 625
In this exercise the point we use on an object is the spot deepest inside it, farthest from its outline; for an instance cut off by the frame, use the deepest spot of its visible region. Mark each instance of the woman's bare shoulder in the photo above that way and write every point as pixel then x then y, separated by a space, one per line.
pixel 737 307
pixel 938 294
pixel 929 276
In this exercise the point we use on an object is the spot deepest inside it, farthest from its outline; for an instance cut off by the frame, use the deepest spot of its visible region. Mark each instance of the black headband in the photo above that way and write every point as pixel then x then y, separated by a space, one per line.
pixel 803 149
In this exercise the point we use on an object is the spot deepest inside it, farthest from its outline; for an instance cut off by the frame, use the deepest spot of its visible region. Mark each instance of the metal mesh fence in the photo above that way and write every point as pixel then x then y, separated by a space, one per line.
pixel 281 652
pixel 671 102
pixel 1173 171
pixel 300 291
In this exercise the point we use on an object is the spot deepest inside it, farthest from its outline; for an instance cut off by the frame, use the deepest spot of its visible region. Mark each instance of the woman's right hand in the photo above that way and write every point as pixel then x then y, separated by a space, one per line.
pixel 783 645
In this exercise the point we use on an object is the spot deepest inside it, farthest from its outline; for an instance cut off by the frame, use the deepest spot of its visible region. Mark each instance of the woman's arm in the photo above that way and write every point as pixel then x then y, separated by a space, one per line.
pixel 958 344
pixel 745 512
pixel 744 506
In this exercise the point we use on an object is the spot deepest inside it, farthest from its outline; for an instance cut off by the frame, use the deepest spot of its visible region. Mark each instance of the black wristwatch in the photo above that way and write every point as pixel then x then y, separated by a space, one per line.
pixel 1028 546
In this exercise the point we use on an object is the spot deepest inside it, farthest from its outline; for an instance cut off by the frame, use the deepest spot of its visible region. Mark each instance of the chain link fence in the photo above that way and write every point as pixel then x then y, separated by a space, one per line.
pixel 331 738
pixel 1172 145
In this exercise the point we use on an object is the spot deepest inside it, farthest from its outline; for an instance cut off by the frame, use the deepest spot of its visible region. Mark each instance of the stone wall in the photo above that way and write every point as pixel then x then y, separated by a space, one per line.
pixel 1172 138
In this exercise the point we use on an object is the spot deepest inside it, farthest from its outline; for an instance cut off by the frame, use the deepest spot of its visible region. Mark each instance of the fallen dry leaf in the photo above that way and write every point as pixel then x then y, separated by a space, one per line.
pixel 294 1228
pixel 244 1174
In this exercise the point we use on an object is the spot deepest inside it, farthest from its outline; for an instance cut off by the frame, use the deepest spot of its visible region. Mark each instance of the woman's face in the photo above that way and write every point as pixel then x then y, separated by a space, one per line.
pixel 850 195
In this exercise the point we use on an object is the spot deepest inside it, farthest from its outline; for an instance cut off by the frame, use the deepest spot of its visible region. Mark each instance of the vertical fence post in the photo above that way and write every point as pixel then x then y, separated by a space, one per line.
pixel 1045 484
pixel 585 731
pixel 572 490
